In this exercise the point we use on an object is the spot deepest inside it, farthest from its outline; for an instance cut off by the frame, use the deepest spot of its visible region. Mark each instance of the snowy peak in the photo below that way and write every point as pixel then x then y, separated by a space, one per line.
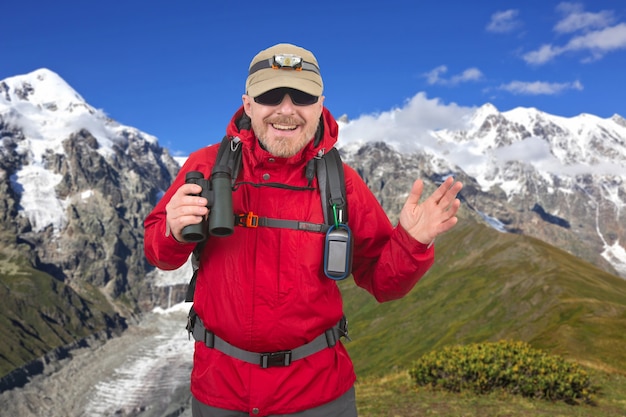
pixel 47 110
pixel 483 113
pixel 43 122
pixel 560 169
pixel 584 139
pixel 619 120
pixel 586 142
pixel 43 89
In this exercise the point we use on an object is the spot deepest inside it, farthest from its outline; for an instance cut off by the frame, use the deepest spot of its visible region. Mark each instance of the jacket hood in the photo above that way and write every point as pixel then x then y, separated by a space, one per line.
pixel 325 137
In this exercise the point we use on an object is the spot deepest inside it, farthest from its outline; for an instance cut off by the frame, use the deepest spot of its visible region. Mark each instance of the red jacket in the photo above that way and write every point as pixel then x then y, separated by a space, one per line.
pixel 264 289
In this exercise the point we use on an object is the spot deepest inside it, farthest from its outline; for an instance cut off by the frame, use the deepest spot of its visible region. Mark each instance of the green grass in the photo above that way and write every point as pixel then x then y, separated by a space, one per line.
pixel 489 286
pixel 394 395
pixel 39 313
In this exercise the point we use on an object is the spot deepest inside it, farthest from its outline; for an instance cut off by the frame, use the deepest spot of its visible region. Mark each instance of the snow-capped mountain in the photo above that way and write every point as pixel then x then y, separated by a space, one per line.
pixel 569 173
pixel 559 179
pixel 76 185
pixel 48 112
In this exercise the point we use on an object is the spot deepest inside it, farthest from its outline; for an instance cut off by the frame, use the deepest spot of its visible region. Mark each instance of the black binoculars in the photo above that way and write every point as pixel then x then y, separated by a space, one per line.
pixel 219 194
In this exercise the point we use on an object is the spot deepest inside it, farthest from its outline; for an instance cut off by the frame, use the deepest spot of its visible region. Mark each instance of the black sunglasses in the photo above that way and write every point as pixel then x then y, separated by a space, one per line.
pixel 275 97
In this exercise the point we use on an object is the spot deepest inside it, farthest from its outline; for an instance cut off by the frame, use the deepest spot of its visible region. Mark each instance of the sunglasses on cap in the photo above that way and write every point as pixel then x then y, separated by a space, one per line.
pixel 275 97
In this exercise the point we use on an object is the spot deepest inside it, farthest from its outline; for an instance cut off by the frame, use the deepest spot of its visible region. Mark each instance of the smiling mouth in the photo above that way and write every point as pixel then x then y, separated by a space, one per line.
pixel 284 127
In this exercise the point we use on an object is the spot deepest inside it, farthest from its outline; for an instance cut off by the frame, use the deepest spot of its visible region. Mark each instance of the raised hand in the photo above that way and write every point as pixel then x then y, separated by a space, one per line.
pixel 436 215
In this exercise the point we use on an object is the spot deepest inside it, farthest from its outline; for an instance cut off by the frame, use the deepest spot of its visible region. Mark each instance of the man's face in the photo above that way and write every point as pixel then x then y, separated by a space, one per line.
pixel 284 129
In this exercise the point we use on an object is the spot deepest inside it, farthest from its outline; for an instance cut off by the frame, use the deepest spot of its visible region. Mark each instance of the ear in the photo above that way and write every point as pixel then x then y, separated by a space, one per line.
pixel 320 103
pixel 247 104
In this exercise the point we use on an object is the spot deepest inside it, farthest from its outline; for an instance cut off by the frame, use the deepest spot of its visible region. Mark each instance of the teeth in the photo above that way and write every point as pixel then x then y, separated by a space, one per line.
pixel 284 127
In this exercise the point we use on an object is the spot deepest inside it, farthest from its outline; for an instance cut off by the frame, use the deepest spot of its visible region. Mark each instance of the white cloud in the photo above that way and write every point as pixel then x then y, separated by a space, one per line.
pixel 435 76
pixel 470 74
pixel 576 19
pixel 409 127
pixel 413 127
pixel 504 21
pixel 600 42
pixel 532 150
pixel 536 151
pixel 535 88
pixel 542 55
pixel 596 40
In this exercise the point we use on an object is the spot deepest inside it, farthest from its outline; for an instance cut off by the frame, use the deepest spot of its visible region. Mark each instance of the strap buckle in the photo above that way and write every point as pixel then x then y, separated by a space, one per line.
pixel 248 220
pixel 191 321
pixel 271 359
pixel 343 328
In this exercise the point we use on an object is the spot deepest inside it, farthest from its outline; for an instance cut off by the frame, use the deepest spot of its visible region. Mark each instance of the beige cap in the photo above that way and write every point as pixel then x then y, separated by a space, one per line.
pixel 293 67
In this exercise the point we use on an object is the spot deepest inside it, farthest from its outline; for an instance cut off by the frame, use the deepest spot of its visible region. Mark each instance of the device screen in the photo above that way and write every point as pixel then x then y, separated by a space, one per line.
pixel 337 256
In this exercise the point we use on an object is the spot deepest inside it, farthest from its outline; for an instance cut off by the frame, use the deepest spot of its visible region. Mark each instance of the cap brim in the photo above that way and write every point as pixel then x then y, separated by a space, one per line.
pixel 268 79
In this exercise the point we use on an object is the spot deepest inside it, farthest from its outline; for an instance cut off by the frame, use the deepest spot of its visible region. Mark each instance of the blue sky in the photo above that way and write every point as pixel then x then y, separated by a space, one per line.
pixel 177 70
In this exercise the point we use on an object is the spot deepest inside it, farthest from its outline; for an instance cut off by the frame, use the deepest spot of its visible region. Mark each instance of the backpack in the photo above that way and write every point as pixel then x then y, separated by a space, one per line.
pixel 330 177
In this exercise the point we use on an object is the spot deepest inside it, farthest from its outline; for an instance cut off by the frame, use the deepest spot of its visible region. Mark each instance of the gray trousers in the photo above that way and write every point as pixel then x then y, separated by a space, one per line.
pixel 344 406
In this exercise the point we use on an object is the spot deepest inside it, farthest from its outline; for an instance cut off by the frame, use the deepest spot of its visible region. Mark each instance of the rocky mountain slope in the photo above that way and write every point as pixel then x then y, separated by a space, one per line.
pixel 562 180
pixel 75 187
pixel 78 185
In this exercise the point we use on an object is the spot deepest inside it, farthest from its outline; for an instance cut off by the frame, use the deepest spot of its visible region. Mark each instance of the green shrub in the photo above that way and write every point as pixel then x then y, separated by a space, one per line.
pixel 514 367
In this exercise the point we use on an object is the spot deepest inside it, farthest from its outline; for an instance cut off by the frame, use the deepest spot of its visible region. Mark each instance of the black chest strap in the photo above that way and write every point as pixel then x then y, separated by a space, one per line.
pixel 252 220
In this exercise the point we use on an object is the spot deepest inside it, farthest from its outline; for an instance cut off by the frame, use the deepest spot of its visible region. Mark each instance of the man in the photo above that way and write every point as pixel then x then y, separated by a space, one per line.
pixel 262 298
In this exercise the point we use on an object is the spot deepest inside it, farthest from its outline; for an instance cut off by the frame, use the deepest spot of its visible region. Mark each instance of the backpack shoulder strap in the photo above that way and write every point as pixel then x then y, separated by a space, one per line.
pixel 229 155
pixel 331 180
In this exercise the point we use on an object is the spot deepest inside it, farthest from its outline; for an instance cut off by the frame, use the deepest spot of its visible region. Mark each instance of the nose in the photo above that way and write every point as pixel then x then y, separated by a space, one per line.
pixel 286 106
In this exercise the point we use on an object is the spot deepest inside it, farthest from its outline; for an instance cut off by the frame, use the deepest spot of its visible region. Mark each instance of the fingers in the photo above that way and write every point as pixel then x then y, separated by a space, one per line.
pixel 447 225
pixel 447 191
pixel 184 208
pixel 416 194
pixel 450 206
pixel 436 215
pixel 445 195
